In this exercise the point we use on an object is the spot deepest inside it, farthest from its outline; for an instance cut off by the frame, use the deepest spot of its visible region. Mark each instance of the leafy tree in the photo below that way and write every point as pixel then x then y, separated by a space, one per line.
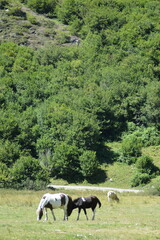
pixel 66 11
pixel 28 128
pixel 59 104
pixel 84 131
pixel 65 161
pixel 151 108
pixel 25 168
pixel 9 152
pixel 4 175
pixel 9 128
pixel 88 163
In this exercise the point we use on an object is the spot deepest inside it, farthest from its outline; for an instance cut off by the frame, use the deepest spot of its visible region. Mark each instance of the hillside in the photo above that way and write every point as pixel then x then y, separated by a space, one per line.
pixel 31 29
pixel 79 92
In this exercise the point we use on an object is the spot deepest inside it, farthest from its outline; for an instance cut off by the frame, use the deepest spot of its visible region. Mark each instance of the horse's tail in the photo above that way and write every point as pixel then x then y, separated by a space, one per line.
pixel 99 202
pixel 69 206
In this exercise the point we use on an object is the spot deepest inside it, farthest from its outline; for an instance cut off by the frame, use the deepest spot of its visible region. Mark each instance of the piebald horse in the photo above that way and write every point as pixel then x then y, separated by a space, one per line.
pixel 87 202
pixel 54 201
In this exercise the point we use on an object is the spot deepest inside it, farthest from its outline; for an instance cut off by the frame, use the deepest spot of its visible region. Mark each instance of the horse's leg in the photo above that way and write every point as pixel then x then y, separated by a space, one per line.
pixel 53 215
pixel 79 210
pixel 85 212
pixel 94 211
pixel 65 214
pixel 46 215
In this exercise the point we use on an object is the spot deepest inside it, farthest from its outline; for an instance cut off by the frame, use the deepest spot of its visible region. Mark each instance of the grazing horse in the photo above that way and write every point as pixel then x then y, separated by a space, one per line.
pixel 53 201
pixel 112 196
pixel 87 202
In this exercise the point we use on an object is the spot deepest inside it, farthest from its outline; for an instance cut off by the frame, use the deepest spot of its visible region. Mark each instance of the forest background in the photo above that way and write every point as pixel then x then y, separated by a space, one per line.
pixel 76 76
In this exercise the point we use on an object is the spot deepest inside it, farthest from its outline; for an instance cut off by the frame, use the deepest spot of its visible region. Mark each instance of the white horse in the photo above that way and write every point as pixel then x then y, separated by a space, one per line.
pixel 112 196
pixel 53 201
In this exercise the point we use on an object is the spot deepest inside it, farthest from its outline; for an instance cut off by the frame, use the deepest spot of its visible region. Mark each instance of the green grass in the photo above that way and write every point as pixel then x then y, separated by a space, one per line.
pixel 135 217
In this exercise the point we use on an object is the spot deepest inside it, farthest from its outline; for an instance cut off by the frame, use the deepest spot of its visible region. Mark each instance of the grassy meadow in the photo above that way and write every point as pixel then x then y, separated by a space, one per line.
pixel 135 217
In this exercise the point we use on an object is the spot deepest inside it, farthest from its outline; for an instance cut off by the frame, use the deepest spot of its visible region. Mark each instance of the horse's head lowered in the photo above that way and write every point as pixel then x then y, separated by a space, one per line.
pixel 69 206
pixel 54 201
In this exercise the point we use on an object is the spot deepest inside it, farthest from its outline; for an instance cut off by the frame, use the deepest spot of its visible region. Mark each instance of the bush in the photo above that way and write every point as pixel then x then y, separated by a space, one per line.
pixel 140 179
pixel 3 3
pixel 145 165
pixel 42 6
pixel 88 163
pixel 148 136
pixel 65 161
pixel 9 152
pixel 66 11
pixel 131 149
pixel 15 10
pixel 32 19
pixel 64 38
pixel 27 167
pixel 30 185
pixel 4 175
pixel 154 187
pixel 146 171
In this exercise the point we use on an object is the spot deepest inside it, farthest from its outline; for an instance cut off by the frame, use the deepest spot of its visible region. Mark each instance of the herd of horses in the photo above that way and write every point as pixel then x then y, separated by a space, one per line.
pixel 64 201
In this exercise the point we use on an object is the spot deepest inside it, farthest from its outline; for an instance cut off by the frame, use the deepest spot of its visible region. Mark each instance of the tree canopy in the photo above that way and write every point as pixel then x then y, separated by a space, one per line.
pixel 61 103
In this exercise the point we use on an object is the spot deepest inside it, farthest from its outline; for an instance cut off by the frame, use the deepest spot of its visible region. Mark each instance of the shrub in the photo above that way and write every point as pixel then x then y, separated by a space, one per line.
pixel 145 165
pixel 131 149
pixel 15 10
pixel 63 38
pixel 3 3
pixel 146 171
pixel 27 167
pixel 88 163
pixel 66 11
pixel 148 136
pixel 4 175
pixel 140 179
pixel 9 152
pixel 31 185
pixel 42 6
pixel 154 187
pixel 131 146
pixel 65 160
pixel 32 19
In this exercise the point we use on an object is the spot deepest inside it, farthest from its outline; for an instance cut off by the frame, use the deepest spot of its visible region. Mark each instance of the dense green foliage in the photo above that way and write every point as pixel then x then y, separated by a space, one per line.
pixel 60 104
pixel 145 171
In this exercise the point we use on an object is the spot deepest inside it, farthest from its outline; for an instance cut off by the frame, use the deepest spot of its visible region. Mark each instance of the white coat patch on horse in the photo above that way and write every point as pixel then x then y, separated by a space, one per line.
pixel 112 196
pixel 54 201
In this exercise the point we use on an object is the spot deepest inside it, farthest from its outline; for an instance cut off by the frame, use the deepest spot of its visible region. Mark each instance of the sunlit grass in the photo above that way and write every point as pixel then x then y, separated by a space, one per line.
pixel 135 217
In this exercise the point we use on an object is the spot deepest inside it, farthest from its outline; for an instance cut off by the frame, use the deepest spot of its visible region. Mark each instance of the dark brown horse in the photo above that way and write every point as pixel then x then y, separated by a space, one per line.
pixel 86 202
